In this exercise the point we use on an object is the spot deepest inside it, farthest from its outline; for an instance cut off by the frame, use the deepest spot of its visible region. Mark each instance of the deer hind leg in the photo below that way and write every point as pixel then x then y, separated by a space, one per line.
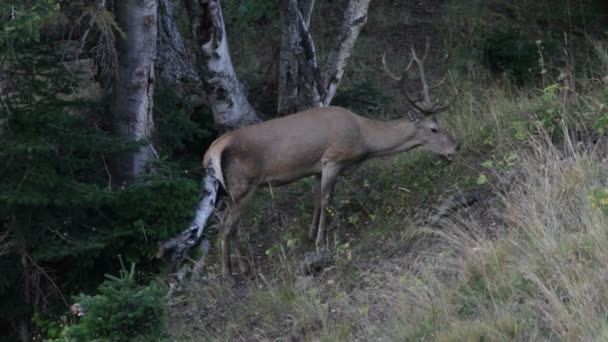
pixel 241 256
pixel 312 233
pixel 329 174
pixel 226 226
pixel 229 232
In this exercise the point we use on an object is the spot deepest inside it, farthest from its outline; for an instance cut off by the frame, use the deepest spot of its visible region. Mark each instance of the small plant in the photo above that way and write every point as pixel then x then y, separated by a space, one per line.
pixel 546 117
pixel 601 125
pixel 21 21
pixel 120 311
pixel 507 162
pixel 599 199
pixel 510 51
pixel 48 329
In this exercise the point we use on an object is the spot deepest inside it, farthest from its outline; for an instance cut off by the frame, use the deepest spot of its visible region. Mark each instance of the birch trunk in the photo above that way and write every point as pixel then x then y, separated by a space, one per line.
pixel 225 94
pixel 291 48
pixel 302 83
pixel 306 7
pixel 333 68
pixel 298 71
pixel 133 86
pixel 174 66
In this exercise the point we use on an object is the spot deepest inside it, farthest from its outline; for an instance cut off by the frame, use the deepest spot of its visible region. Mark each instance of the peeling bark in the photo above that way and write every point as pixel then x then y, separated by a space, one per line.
pixel 333 69
pixel 225 94
pixel 306 8
pixel 298 71
pixel 133 88
pixel 302 83
pixel 174 66
pixel 291 49
pixel 181 244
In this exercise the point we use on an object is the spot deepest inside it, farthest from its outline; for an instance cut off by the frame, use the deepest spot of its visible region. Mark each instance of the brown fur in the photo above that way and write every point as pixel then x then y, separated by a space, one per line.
pixel 321 142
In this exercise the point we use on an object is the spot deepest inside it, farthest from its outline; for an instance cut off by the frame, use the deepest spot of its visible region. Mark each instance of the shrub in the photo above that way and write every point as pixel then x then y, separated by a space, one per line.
pixel 364 97
pixel 510 51
pixel 545 116
pixel 120 311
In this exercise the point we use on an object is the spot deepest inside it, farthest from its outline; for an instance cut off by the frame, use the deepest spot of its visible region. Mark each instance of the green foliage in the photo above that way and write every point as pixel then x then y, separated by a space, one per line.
pixel 471 291
pixel 511 36
pixel 20 20
pixel 509 50
pixel 176 125
pixel 61 222
pixel 601 124
pixel 48 329
pixel 545 117
pixel 120 311
pixel 256 11
pixel 364 98
pixel 599 199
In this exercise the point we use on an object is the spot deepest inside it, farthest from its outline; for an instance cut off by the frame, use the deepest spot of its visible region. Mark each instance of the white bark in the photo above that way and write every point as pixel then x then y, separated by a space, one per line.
pixel 174 67
pixel 291 48
pixel 189 238
pixel 225 94
pixel 333 69
pixel 298 71
pixel 302 83
pixel 133 88
pixel 306 7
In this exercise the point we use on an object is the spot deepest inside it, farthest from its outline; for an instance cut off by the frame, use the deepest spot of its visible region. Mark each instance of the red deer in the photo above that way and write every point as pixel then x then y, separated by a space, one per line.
pixel 320 142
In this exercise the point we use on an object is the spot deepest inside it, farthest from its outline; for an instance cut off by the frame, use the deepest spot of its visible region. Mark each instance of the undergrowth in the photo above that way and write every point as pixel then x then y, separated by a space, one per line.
pixel 528 262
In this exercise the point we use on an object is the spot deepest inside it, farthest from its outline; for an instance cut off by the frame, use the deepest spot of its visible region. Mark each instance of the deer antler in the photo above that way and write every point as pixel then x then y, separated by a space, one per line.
pixel 392 74
pixel 423 104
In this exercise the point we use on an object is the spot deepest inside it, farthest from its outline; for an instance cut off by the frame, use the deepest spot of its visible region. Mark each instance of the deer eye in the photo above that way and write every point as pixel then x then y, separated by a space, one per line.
pixel 434 130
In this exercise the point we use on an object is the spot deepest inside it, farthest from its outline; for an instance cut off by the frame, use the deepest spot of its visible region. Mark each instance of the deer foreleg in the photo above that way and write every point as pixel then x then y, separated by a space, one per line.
pixel 312 233
pixel 329 175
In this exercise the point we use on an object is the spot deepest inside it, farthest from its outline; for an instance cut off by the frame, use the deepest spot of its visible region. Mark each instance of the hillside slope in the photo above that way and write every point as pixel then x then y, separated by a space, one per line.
pixel 523 257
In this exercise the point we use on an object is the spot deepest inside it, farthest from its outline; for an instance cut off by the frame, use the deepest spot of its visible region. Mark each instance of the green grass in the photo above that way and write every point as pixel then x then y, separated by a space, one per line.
pixel 526 263
pixel 532 268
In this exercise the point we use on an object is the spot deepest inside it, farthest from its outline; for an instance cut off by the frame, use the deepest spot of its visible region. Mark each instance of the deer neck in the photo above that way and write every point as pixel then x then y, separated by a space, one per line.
pixel 388 137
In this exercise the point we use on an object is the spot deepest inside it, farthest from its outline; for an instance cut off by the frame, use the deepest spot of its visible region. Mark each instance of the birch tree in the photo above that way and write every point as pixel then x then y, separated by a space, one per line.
pixel 174 66
pixel 302 82
pixel 225 94
pixel 133 86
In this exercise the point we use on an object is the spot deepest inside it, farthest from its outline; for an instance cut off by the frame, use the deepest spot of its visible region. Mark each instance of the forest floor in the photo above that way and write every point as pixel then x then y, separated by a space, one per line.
pixel 508 242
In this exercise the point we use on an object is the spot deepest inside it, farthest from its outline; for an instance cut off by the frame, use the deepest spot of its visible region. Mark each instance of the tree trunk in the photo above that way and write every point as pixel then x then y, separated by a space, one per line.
pixel 298 71
pixel 291 49
pixel 225 94
pixel 133 86
pixel 306 7
pixel 174 67
pixel 302 83
pixel 333 69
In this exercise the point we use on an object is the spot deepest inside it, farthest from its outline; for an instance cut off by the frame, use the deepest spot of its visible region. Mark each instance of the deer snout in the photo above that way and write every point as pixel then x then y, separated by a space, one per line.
pixel 450 155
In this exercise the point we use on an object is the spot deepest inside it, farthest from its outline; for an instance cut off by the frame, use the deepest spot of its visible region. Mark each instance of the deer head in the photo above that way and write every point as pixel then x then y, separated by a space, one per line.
pixel 423 111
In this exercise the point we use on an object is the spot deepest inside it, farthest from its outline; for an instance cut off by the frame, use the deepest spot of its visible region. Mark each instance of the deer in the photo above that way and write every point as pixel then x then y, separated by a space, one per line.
pixel 322 143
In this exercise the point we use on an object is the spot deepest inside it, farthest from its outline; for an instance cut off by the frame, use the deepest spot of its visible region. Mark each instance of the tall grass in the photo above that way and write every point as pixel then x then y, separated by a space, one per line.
pixel 535 269
pixel 542 276
pixel 530 264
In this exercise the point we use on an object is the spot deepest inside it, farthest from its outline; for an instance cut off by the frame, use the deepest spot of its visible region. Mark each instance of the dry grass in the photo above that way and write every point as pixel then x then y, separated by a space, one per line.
pixel 543 276
pixel 529 263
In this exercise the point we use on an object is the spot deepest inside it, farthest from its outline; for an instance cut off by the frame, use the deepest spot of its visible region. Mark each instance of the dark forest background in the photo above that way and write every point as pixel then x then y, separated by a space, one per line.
pixel 78 226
